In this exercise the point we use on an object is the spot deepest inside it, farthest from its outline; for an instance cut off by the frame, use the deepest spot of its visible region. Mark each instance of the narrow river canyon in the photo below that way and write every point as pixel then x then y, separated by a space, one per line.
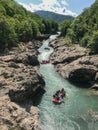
pixel 77 112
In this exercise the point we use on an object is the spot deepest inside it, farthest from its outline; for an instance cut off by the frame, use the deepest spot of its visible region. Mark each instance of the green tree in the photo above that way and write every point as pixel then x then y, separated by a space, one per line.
pixel 35 29
pixel 47 25
pixel 8 37
pixel 93 44
pixel 24 30
pixel 64 26
pixel 2 10
pixel 54 26
pixel 85 40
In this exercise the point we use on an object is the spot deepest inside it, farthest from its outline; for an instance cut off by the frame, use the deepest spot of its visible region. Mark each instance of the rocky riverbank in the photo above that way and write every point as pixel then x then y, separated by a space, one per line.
pixel 73 63
pixel 20 81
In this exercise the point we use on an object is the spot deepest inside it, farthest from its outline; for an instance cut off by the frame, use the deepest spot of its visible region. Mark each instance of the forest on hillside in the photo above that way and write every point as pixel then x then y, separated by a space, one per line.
pixel 17 24
pixel 83 29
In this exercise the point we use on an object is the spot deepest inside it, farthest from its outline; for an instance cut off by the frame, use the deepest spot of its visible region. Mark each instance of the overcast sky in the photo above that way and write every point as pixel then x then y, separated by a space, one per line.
pixel 74 6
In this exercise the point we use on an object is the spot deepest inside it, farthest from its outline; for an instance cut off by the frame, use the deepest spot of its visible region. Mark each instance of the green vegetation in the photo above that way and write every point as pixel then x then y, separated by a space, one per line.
pixel 64 26
pixel 84 29
pixel 18 25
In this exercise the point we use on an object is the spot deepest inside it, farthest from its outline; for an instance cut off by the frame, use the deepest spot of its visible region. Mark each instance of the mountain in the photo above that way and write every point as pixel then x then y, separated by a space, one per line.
pixel 84 29
pixel 54 16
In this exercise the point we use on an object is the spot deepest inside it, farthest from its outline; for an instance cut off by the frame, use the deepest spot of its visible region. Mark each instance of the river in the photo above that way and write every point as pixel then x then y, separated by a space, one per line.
pixel 79 110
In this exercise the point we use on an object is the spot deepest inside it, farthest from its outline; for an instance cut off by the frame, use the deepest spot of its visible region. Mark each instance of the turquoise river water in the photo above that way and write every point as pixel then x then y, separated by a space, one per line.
pixel 79 110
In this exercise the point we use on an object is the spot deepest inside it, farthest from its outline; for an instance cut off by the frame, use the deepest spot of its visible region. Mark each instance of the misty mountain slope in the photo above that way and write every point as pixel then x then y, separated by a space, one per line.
pixel 54 16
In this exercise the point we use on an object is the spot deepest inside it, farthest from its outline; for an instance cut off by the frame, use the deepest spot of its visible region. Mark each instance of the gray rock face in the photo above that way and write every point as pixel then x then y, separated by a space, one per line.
pixel 20 82
pixel 12 116
pixel 73 64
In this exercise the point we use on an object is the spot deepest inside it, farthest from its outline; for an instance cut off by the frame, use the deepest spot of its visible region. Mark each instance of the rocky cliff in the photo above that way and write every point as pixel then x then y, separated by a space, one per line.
pixel 20 82
pixel 72 62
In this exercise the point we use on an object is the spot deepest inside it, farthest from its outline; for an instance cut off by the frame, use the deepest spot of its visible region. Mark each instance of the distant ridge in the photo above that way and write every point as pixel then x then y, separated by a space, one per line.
pixel 54 16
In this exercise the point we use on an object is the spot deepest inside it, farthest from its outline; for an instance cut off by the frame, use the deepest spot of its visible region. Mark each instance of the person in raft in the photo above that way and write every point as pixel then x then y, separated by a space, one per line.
pixel 60 94
pixel 57 95
pixel 63 93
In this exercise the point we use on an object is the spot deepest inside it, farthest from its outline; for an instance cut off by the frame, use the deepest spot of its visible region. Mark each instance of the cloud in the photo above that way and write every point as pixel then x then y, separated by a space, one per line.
pixel 64 2
pixel 57 6
pixel 49 2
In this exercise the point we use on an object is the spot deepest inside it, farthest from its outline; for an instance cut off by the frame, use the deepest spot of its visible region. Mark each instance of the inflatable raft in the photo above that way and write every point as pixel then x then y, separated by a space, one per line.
pixel 45 62
pixel 57 101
